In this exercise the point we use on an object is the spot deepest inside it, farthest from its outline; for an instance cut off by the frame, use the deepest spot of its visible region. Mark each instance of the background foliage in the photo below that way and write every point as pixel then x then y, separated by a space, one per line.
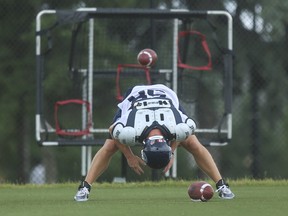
pixel 259 145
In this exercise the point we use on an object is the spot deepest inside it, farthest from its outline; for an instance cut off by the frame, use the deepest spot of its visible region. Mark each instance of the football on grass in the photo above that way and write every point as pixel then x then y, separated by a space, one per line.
pixel 200 191
pixel 147 57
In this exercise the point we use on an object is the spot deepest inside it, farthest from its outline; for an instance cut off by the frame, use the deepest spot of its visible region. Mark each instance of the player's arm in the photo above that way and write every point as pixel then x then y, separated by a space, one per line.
pixel 174 144
pixel 133 161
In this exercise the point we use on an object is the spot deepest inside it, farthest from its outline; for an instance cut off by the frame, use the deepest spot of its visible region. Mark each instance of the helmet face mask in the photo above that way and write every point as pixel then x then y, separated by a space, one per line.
pixel 156 152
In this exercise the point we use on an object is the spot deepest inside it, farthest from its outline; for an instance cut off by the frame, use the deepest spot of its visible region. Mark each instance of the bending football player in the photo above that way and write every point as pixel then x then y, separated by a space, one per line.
pixel 151 115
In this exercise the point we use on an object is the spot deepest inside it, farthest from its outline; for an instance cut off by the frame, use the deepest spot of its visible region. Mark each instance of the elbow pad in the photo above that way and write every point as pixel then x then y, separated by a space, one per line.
pixel 117 130
pixel 125 135
pixel 183 130
pixel 128 136
pixel 191 125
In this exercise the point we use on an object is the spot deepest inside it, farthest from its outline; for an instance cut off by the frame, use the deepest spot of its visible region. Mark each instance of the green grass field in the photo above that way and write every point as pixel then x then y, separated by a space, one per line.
pixel 164 198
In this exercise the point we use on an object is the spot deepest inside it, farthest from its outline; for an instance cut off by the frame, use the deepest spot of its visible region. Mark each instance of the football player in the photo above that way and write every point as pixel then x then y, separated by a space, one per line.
pixel 151 115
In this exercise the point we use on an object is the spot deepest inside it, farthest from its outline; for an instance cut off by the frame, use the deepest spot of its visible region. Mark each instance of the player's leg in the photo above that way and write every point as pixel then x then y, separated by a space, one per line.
pixel 206 163
pixel 202 157
pixel 101 161
pixel 99 164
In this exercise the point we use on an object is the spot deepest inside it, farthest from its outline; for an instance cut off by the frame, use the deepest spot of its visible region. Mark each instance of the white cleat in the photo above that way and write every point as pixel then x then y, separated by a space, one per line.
pixel 82 195
pixel 224 192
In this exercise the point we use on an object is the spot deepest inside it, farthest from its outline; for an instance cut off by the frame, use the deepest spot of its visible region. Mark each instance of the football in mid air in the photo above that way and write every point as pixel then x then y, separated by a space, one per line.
pixel 147 57
pixel 200 191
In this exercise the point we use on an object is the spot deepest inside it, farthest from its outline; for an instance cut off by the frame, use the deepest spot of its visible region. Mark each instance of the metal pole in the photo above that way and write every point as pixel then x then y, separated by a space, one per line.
pixel 86 151
pixel 90 79
pixel 39 87
pixel 230 47
pixel 175 83
pixel 84 122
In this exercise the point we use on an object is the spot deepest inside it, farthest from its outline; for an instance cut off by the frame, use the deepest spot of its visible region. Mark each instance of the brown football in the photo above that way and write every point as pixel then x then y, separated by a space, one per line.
pixel 147 57
pixel 200 191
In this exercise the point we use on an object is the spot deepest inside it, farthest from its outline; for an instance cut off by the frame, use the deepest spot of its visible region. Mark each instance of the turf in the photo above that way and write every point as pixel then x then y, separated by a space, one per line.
pixel 147 198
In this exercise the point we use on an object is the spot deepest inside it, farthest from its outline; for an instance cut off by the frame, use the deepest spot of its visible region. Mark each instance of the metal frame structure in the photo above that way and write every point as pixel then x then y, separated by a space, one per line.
pixel 89 14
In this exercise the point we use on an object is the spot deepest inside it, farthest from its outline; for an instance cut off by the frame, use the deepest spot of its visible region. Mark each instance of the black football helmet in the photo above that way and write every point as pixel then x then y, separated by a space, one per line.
pixel 156 152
